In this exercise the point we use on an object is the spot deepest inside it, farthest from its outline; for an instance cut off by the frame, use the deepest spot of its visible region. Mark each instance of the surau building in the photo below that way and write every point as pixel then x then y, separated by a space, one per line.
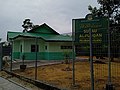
pixel 42 41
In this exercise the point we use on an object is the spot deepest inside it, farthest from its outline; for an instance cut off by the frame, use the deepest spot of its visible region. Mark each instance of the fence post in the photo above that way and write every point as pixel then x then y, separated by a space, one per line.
pixel 36 50
pixel 0 56
pixel 109 85
pixel 91 61
pixel 11 56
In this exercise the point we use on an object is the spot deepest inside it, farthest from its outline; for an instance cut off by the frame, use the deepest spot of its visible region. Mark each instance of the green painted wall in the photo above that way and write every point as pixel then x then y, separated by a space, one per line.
pixel 41 56
pixel 29 42
pixel 16 49
pixel 56 46
pixel 16 46
pixel 53 51
pixel 16 55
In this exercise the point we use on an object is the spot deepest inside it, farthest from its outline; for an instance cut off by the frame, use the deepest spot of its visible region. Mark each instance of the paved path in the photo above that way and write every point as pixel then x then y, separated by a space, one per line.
pixel 16 65
pixel 7 85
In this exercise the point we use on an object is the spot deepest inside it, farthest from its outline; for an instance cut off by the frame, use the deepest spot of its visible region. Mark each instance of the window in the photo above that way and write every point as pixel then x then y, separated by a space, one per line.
pixel 45 47
pixel 33 48
pixel 66 47
pixel 20 48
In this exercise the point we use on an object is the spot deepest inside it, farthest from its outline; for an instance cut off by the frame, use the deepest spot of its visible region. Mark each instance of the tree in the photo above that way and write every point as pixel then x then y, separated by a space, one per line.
pixel 110 9
pixel 27 25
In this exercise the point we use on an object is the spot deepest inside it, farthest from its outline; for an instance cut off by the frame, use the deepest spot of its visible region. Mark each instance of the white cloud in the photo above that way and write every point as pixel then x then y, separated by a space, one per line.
pixel 56 13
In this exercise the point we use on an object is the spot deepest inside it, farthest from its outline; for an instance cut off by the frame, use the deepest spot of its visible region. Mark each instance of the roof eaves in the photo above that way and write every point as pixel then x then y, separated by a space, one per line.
pixel 27 37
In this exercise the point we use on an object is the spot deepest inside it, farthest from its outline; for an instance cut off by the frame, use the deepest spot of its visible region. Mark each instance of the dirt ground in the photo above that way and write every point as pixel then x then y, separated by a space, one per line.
pixel 59 76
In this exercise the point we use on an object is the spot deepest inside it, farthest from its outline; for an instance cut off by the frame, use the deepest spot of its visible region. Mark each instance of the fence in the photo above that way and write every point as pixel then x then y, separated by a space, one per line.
pixel 106 59
pixel 60 73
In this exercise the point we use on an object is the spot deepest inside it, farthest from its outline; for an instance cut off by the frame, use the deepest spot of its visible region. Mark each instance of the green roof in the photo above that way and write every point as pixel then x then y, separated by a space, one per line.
pixel 48 35
pixel 44 28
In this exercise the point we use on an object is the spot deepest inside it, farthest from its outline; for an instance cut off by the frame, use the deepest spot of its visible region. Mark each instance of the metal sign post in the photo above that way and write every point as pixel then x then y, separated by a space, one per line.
pixel 109 85
pixel 91 61
pixel 73 52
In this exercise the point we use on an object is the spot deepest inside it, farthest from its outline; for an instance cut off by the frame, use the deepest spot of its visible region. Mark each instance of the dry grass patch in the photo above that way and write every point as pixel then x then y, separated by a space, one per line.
pixel 55 75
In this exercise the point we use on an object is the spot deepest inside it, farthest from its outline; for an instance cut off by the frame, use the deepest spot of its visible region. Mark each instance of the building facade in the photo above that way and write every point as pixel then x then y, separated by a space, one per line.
pixel 42 42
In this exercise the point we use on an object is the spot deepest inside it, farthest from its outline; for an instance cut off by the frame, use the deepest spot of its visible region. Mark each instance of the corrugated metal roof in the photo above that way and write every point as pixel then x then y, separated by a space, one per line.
pixel 47 37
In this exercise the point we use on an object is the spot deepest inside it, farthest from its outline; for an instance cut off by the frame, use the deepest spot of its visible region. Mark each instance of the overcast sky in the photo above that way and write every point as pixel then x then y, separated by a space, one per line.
pixel 58 14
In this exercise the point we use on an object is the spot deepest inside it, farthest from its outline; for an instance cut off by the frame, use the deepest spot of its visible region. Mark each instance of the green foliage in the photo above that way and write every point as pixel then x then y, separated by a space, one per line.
pixel 108 8
pixel 27 24
pixel 67 57
pixel 93 10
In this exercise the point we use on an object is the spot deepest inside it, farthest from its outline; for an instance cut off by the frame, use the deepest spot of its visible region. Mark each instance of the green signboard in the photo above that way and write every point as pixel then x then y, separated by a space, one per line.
pixel 99 28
